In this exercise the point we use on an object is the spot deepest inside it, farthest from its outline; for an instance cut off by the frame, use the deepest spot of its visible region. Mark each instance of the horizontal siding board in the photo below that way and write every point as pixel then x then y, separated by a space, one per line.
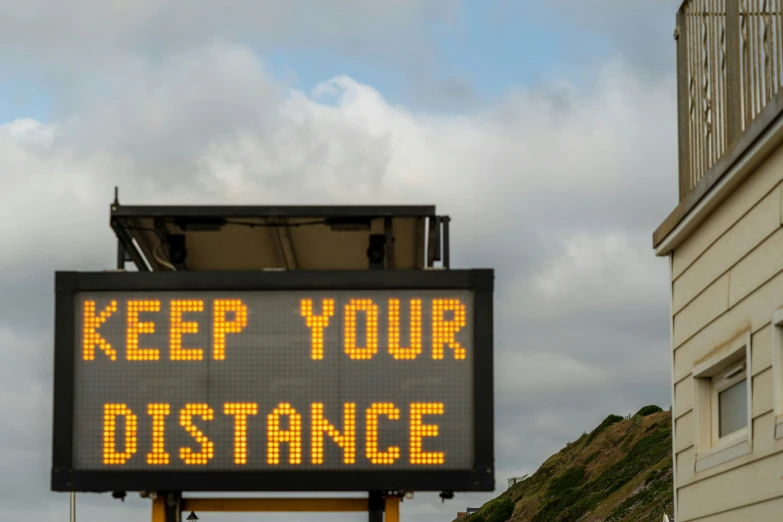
pixel 740 239
pixel 749 192
pixel 754 482
pixel 764 434
pixel 762 393
pixel 683 432
pixel 761 350
pixel 683 397
pixel 768 511
pixel 702 310
pixel 758 266
pixel 686 463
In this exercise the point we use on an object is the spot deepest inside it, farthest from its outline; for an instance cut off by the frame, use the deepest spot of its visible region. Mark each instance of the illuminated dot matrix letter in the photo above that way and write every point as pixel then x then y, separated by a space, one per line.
pixel 414 330
pixel 443 331
pixel 419 431
pixel 110 413
pixel 158 412
pixel 91 335
pixel 276 436
pixel 179 327
pixel 392 453
pixel 346 440
pixel 207 446
pixel 317 324
pixel 371 332
pixel 240 411
pixel 135 328
pixel 222 327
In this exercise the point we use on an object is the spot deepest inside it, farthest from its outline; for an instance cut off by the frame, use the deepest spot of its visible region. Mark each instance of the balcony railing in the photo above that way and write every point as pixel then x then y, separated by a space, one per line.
pixel 729 66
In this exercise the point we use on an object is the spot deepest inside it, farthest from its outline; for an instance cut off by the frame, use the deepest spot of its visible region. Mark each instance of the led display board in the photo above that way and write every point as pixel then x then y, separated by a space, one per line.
pixel 296 381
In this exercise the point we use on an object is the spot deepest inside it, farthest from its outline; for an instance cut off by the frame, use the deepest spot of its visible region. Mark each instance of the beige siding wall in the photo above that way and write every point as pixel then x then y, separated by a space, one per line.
pixel 727 278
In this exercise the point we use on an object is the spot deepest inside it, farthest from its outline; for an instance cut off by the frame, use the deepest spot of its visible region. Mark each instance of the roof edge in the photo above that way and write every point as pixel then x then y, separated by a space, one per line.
pixel 754 145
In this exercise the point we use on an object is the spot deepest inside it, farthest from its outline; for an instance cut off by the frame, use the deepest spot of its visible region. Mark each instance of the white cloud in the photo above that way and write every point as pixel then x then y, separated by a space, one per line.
pixel 74 44
pixel 600 267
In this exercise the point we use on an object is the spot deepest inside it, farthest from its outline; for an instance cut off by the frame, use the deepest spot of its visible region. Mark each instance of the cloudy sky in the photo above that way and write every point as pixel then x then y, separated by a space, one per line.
pixel 545 129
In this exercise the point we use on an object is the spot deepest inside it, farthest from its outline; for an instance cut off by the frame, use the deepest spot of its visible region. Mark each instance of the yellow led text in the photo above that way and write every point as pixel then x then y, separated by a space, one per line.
pixel 419 431
pixel 135 328
pixel 394 330
pixel 158 412
pixel 229 317
pixel 207 446
pixel 110 413
pixel 180 327
pixel 222 326
pixel 346 440
pixel 370 310
pixel 443 331
pixel 91 335
pixel 293 435
pixel 240 411
pixel 119 447
pixel 317 324
pixel 373 455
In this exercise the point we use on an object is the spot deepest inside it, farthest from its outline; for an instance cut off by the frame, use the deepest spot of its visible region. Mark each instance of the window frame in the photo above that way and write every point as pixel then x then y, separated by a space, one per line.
pixel 738 372
pixel 777 370
pixel 732 358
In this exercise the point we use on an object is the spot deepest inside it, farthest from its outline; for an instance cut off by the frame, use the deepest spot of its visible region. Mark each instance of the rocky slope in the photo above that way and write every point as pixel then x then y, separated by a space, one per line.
pixel 620 472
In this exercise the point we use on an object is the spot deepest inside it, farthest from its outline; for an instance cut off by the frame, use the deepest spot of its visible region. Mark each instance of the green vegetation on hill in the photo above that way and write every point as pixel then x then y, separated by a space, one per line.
pixel 648 410
pixel 620 472
pixel 497 510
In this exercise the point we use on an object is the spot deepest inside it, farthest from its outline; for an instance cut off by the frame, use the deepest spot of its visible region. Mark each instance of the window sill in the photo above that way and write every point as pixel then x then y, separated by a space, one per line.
pixel 724 453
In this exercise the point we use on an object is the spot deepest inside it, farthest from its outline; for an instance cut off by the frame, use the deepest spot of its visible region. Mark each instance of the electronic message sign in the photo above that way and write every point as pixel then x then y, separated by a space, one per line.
pixel 349 380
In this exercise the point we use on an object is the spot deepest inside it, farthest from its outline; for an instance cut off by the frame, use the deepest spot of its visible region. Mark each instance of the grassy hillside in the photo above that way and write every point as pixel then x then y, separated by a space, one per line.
pixel 620 472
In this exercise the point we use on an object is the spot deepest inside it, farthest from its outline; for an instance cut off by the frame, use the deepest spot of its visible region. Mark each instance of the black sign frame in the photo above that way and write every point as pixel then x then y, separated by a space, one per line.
pixel 480 477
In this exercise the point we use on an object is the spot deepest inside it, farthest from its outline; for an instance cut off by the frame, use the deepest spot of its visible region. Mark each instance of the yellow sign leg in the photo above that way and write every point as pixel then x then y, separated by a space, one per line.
pixel 392 509
pixel 159 509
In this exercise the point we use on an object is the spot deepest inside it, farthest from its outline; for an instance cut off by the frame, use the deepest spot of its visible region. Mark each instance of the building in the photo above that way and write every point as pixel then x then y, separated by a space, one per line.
pixel 466 514
pixel 724 242
pixel 515 480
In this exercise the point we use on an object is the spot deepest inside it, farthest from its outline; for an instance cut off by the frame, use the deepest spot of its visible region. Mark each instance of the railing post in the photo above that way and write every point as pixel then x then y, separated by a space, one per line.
pixel 733 84
pixel 683 101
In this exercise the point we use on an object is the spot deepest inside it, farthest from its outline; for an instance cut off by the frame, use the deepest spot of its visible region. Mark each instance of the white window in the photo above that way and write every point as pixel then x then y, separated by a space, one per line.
pixel 730 402
pixel 722 396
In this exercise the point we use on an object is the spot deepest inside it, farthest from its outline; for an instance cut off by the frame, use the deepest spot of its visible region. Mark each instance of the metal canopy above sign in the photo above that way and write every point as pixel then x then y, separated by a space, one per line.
pixel 280 237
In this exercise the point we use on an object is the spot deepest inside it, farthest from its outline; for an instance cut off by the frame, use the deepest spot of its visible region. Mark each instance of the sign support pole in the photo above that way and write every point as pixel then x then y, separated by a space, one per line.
pixel 167 508
pixel 375 506
pixel 173 507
